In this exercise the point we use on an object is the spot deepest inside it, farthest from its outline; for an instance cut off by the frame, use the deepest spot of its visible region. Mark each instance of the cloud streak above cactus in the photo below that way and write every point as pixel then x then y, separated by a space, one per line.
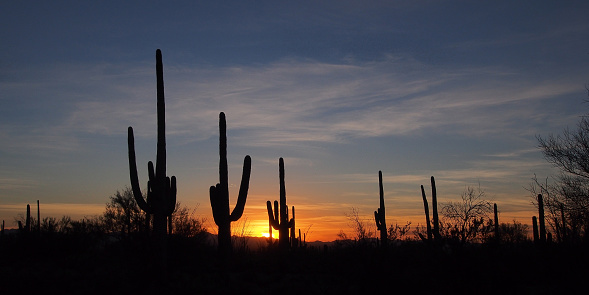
pixel 307 101
pixel 340 89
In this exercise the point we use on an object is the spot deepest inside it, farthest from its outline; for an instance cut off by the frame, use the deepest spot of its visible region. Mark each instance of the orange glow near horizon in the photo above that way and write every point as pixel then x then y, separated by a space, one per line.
pixel 319 221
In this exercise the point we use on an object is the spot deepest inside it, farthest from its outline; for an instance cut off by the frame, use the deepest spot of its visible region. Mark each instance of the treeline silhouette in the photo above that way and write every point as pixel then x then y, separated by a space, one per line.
pixel 145 241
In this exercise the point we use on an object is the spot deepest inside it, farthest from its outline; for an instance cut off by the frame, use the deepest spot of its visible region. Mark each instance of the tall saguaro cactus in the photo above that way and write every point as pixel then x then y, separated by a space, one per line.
pixel 535 229
pixel 427 220
pixel 161 190
pixel 541 220
pixel 293 236
pixel 436 228
pixel 219 194
pixel 38 217
pixel 27 227
pixel 280 221
pixel 496 221
pixel 436 221
pixel 379 215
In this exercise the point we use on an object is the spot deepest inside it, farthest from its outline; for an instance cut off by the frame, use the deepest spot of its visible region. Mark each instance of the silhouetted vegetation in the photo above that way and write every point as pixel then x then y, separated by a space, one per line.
pixel 435 232
pixel 566 198
pixel 380 215
pixel 219 194
pixel 468 220
pixel 279 216
pixel 463 252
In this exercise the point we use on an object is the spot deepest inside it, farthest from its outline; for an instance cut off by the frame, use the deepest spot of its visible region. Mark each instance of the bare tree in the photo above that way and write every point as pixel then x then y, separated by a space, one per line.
pixel 567 198
pixel 566 205
pixel 465 220
pixel 362 232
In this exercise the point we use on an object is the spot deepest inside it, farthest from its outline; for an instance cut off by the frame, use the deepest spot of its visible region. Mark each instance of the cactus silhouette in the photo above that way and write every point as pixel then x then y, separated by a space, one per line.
pixel 27 227
pixel 541 220
pixel 38 217
pixel 293 236
pixel 496 221
pixel 270 239
pixel 161 190
pixel 436 227
pixel 427 220
pixel 535 229
pixel 280 221
pixel 379 215
pixel 219 194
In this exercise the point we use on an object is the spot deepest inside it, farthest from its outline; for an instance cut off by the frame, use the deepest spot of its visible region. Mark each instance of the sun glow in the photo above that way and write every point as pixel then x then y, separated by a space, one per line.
pixel 265 235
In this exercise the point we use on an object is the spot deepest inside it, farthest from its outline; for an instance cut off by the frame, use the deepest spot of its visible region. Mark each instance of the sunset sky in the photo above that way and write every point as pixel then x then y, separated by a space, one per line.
pixel 339 89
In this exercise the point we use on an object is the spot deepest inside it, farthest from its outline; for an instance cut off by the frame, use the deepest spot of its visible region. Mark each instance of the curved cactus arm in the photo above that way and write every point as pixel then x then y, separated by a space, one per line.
pixel 273 221
pixel 215 204
pixel 150 171
pixel 172 192
pixel 243 188
pixel 377 219
pixel 133 173
pixel 291 223
pixel 276 211
pixel 427 220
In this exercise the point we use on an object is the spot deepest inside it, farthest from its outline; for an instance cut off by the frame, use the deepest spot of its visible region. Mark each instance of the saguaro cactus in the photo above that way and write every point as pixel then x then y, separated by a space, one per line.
pixel 535 229
pixel 280 222
pixel 541 220
pixel 379 215
pixel 161 190
pixel 27 227
pixel 427 220
pixel 436 221
pixel 219 194
pixel 293 236
pixel 38 217
pixel 436 228
pixel 496 221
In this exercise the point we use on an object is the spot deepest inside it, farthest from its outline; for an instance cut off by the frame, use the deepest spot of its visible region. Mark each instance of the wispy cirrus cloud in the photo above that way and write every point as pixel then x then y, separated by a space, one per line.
pixel 291 100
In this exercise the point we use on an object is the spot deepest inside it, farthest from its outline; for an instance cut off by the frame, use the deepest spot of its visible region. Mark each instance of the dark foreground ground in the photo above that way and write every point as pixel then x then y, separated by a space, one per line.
pixel 86 265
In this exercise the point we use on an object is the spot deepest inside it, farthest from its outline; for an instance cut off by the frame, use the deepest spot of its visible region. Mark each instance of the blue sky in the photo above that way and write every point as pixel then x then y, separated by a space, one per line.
pixel 340 89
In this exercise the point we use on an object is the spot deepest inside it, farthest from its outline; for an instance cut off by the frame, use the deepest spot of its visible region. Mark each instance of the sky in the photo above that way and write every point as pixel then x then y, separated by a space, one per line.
pixel 340 89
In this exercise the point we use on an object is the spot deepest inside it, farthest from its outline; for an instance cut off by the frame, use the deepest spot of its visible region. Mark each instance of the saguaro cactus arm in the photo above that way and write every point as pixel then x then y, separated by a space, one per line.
pixel 427 220
pixel 215 204
pixel 133 173
pixel 273 215
pixel 243 189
